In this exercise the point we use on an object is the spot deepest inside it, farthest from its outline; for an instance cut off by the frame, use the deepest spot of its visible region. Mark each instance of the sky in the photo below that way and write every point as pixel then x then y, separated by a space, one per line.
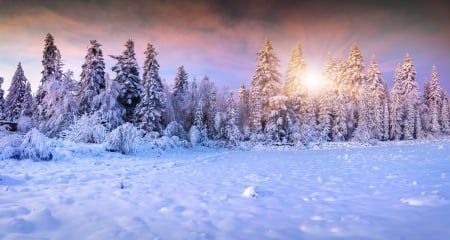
pixel 220 38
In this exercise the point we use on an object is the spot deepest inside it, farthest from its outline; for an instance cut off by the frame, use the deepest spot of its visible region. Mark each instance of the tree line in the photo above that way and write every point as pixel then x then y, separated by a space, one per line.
pixel 354 105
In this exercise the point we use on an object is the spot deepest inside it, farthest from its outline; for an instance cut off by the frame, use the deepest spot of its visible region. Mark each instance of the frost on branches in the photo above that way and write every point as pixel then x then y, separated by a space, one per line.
pixel 18 103
pixel 2 101
pixel 149 111
pixel 127 76
pixel 123 139
pixel 92 80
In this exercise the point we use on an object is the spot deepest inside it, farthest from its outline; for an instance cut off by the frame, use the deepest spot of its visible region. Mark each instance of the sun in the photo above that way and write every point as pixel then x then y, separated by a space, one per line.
pixel 314 81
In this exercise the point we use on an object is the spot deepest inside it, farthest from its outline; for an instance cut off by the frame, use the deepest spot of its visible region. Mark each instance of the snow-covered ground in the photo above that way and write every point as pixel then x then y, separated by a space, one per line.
pixel 384 192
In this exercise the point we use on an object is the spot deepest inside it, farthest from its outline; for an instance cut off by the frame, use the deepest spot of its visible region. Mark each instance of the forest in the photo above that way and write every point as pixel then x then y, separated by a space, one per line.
pixel 354 103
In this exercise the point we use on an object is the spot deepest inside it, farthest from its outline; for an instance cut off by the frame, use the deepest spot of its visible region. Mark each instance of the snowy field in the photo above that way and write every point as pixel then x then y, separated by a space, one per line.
pixel 381 192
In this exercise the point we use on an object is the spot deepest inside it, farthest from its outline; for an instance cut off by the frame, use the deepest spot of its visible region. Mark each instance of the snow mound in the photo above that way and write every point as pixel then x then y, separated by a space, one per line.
pixel 250 192
pixel 430 201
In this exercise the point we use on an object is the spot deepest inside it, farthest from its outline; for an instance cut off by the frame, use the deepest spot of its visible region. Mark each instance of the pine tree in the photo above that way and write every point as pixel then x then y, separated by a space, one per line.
pixel 295 72
pixel 232 134
pixel 377 101
pixel 355 77
pixel 127 75
pixel 150 109
pixel 181 98
pixel 92 81
pixel 411 98
pixel 445 116
pixel 52 72
pixel 243 108
pixel 54 105
pixel 2 101
pixel 434 102
pixel 265 84
pixel 396 107
pixel 324 118
pixel 207 91
pixel 14 102
pixel 339 130
pixel 27 105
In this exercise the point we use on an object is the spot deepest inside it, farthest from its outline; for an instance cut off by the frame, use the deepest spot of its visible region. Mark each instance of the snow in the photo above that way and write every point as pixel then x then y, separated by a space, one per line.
pixel 392 191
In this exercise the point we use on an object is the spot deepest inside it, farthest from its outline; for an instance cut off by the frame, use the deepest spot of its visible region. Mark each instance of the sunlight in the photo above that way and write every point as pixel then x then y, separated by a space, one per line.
pixel 314 81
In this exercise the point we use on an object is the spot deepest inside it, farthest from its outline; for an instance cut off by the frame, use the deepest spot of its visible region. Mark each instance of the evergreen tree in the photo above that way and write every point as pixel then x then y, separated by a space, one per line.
pixel 54 105
pixel 2 101
pixel 181 98
pixel 207 92
pixel 92 81
pixel 434 103
pixel 127 75
pixel 243 108
pixel 354 78
pixel 396 107
pixel 411 99
pixel 150 109
pixel 27 105
pixel 14 102
pixel 295 72
pixel 377 102
pixel 52 72
pixel 324 118
pixel 232 134
pixel 445 116
pixel 339 130
pixel 265 84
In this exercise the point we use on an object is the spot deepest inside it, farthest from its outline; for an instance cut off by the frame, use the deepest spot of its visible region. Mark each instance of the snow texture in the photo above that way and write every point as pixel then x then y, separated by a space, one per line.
pixel 394 191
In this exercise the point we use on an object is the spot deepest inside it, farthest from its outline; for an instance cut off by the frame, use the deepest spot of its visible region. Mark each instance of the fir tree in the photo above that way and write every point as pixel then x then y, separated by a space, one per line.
pixel 207 92
pixel 92 81
pixel 265 84
pixel 396 107
pixel 434 102
pixel 355 77
pixel 377 102
pixel 150 109
pixel 295 72
pixel 127 75
pixel 181 98
pixel 232 134
pixel 2 101
pixel 445 116
pixel 411 98
pixel 52 72
pixel 15 101
pixel 243 108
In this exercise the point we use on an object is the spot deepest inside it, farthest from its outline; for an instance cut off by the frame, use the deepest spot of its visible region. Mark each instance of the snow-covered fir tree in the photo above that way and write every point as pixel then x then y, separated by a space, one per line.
pixel 92 81
pixel 54 105
pixel 232 133
pixel 181 98
pixel 363 131
pixel 2 101
pixel 445 116
pixel 265 84
pixel 355 77
pixel 110 111
pixel 324 117
pixel 15 101
pixel 396 107
pixel 127 75
pixel 377 105
pixel 295 72
pixel 197 132
pixel 411 98
pixel 243 108
pixel 51 63
pixel 434 103
pixel 339 129
pixel 150 109
pixel 208 92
